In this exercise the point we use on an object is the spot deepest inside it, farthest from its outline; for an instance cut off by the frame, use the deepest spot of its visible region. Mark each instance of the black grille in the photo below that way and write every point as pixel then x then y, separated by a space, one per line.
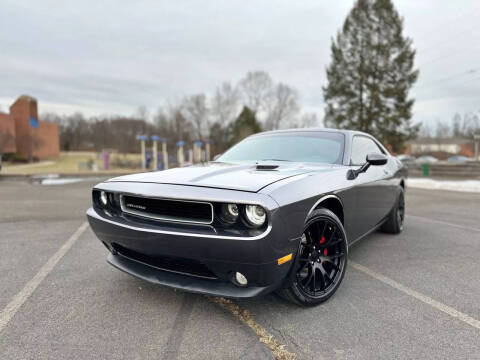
pixel 168 210
pixel 167 263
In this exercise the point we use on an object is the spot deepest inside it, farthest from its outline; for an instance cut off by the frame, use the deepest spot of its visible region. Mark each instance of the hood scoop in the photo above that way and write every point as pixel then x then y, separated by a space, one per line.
pixel 266 167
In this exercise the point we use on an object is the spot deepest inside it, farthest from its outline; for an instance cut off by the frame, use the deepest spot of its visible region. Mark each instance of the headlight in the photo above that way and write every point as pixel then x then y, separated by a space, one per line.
pixel 103 197
pixel 229 213
pixel 255 215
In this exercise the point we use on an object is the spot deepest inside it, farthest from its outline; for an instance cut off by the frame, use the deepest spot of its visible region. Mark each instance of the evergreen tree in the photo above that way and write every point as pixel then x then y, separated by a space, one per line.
pixel 246 124
pixel 371 73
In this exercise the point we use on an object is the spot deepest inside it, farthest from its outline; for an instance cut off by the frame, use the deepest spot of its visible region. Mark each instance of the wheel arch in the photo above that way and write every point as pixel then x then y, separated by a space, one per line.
pixel 331 202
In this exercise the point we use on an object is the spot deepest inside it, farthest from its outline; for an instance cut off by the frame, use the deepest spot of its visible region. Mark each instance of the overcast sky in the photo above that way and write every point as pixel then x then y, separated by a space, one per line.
pixel 109 57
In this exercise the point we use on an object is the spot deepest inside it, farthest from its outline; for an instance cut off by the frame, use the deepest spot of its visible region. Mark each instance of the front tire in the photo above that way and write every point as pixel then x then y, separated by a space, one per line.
pixel 321 260
pixel 394 222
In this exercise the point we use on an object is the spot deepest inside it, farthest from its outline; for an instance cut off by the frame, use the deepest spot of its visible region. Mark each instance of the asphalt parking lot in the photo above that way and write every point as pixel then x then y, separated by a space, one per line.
pixel 416 295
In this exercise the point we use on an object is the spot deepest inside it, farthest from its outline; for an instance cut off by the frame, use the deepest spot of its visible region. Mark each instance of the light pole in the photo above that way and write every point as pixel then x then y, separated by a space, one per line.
pixel 155 139
pixel 164 153
pixel 180 158
pixel 197 151
pixel 142 139
pixel 207 150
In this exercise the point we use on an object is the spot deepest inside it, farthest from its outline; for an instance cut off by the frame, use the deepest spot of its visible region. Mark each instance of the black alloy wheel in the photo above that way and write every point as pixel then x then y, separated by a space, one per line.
pixel 321 260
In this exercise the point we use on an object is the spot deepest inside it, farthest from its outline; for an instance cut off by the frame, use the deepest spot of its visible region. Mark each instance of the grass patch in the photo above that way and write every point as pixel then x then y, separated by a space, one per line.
pixel 75 162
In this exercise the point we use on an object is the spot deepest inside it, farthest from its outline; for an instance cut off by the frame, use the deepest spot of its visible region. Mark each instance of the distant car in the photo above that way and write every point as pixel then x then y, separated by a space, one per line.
pixel 276 212
pixel 406 159
pixel 459 159
pixel 426 159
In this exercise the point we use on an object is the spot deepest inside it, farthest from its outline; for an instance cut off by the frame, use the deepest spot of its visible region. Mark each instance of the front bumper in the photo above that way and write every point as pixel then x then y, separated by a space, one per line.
pixel 133 246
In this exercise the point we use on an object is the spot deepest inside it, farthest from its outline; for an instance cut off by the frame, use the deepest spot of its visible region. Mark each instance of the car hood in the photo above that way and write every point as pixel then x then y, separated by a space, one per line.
pixel 244 177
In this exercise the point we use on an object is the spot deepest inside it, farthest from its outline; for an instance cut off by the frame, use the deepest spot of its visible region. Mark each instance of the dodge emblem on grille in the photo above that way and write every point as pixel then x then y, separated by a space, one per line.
pixel 137 206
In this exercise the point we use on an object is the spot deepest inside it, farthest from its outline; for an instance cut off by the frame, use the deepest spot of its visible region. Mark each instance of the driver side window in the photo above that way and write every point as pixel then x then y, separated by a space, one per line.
pixel 361 147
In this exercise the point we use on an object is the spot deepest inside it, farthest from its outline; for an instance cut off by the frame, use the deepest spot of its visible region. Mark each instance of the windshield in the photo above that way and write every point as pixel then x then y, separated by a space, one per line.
pixel 321 147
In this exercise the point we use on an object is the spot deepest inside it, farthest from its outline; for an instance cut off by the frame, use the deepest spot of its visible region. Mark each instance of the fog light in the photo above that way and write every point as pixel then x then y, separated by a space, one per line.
pixel 241 279
pixel 103 197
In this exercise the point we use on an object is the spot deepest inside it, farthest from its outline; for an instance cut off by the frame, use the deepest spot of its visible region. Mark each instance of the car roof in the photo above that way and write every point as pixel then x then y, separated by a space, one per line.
pixel 313 129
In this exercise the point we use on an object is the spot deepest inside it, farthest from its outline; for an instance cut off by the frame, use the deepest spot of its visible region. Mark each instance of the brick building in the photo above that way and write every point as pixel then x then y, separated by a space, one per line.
pixel 7 134
pixel 17 135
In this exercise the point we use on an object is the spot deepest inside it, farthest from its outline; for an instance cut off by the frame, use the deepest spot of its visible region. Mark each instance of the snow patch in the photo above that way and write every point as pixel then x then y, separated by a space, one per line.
pixel 451 185
pixel 52 180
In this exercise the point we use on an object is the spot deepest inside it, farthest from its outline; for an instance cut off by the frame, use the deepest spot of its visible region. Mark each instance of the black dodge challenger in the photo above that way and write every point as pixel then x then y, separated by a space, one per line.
pixel 276 212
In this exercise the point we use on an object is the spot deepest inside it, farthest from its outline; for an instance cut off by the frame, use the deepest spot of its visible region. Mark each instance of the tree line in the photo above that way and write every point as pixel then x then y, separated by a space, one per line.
pixel 461 126
pixel 234 111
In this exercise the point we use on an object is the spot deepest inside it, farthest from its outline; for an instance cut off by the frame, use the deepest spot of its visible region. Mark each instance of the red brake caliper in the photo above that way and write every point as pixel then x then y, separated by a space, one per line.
pixel 322 241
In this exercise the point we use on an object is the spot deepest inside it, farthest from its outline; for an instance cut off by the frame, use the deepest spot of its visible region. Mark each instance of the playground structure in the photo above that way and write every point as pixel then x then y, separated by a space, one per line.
pixel 185 155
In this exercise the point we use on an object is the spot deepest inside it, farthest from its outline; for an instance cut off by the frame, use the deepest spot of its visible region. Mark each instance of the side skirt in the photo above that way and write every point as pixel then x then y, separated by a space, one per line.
pixel 375 228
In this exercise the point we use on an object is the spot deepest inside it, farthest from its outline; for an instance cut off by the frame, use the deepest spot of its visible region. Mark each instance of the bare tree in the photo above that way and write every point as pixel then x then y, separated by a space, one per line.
pixel 195 110
pixel 282 107
pixel 425 131
pixel 457 125
pixel 142 113
pixel 471 124
pixel 256 88
pixel 465 126
pixel 225 104
pixel 182 127
pixel 305 121
pixel 162 123
pixel 443 130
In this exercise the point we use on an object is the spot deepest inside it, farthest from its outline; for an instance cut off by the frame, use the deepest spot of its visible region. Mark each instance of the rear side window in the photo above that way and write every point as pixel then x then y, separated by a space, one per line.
pixel 361 147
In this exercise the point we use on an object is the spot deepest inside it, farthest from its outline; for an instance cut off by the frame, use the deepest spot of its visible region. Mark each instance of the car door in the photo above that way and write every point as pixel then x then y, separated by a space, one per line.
pixel 371 187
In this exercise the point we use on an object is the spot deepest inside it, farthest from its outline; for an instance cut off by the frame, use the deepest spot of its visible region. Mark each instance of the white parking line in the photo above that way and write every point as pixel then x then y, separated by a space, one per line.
pixel 444 223
pixel 18 300
pixel 419 296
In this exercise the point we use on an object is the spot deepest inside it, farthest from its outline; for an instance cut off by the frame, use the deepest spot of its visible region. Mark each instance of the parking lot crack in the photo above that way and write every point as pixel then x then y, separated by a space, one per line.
pixel 279 350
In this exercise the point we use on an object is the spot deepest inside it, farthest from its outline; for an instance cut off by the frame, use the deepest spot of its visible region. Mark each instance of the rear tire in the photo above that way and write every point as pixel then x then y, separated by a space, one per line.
pixel 394 222
pixel 321 260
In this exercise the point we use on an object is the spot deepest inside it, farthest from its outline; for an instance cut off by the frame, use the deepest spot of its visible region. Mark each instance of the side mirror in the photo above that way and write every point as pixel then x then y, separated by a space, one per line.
pixel 372 159
pixel 376 159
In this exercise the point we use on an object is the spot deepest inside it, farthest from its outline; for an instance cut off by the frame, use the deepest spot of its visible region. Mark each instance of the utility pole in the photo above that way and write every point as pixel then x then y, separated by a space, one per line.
pixel 476 140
